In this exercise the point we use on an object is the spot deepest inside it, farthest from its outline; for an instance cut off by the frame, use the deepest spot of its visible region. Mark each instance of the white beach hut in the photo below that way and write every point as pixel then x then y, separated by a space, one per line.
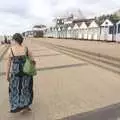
pixel 62 32
pixel 106 32
pixel 49 32
pixel 69 31
pixel 53 32
pixel 83 31
pixel 93 31
pixel 75 31
pixel 65 31
pixel 59 32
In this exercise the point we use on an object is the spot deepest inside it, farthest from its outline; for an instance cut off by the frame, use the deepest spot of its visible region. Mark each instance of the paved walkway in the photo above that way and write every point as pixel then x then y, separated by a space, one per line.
pixel 106 48
pixel 67 89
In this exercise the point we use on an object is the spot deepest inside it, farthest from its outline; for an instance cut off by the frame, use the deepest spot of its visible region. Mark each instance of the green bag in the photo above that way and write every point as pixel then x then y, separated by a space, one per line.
pixel 29 67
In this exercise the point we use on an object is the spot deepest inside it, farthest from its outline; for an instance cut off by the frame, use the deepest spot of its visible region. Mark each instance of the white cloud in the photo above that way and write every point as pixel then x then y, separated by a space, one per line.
pixel 40 8
pixel 20 15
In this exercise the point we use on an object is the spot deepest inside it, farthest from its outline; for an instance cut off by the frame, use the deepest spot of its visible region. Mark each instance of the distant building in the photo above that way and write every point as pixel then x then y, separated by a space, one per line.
pixel 37 31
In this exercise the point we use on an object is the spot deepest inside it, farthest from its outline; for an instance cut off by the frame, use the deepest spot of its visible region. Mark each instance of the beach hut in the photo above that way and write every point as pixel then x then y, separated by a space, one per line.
pixel 107 30
pixel 118 31
pixel 75 31
pixel 45 33
pixel 93 31
pixel 72 31
pixel 69 31
pixel 58 32
pixel 65 31
pixel 83 30
pixel 62 31
pixel 79 36
pixel 55 30
pixel 50 32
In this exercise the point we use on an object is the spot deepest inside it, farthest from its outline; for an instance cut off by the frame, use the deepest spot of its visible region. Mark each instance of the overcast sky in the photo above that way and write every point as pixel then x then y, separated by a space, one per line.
pixel 21 15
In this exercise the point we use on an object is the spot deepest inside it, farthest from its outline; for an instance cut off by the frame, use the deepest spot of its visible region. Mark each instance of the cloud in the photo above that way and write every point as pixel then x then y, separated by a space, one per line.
pixel 17 11
pixel 11 23
pixel 89 2
pixel 48 8
pixel 21 15
pixel 14 7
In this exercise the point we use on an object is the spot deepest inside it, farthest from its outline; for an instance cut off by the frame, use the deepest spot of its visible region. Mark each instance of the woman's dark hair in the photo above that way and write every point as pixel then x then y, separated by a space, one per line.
pixel 18 38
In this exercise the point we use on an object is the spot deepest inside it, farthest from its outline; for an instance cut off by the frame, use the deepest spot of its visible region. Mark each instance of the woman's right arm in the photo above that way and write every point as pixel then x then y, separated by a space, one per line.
pixel 8 65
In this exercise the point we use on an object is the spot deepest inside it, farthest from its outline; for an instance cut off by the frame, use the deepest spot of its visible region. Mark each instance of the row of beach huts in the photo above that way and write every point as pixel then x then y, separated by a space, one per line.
pixel 87 29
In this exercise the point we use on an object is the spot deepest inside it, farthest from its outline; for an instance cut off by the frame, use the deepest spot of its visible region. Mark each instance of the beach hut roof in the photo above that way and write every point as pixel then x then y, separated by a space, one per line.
pixel 88 23
pixel 107 22
pixel 70 26
pixel 79 24
pixel 82 20
pixel 93 24
pixel 59 29
pixel 75 26
pixel 65 26
pixel 83 25
pixel 85 21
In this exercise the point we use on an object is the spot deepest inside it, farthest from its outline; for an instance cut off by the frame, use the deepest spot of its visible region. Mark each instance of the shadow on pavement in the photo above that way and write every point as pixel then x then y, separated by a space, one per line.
pixel 62 66
pixel 47 55
pixel 55 67
pixel 37 56
pixel 111 112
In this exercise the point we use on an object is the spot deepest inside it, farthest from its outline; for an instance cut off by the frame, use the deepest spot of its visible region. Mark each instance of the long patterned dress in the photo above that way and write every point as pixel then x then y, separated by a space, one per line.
pixel 20 86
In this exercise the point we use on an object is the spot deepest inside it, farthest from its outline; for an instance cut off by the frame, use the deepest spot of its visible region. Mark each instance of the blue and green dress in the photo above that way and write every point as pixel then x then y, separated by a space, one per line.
pixel 20 85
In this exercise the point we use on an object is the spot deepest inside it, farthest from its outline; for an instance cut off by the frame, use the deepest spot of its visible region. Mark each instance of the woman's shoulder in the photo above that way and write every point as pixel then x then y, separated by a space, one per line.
pixel 14 46
pixel 11 48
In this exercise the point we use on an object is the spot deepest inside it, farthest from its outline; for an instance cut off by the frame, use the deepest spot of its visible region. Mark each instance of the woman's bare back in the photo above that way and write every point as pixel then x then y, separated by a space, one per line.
pixel 17 50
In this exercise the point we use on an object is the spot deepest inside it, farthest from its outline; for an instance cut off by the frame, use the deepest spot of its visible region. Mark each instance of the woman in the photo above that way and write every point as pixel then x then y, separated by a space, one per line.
pixel 20 85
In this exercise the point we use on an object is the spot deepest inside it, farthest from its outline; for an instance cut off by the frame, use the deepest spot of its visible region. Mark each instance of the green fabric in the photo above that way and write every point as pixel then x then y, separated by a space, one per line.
pixel 29 67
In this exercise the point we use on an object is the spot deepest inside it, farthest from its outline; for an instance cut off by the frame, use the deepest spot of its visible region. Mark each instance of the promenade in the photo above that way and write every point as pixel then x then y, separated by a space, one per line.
pixel 67 88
